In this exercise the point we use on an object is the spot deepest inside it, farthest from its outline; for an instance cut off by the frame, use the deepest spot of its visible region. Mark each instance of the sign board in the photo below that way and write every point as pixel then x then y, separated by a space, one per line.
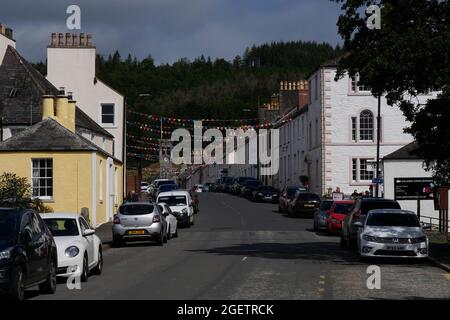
pixel 413 188
pixel 377 181
pixel 338 196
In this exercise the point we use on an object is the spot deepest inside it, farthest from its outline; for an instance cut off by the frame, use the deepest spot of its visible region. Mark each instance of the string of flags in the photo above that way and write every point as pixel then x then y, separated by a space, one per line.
pixel 180 120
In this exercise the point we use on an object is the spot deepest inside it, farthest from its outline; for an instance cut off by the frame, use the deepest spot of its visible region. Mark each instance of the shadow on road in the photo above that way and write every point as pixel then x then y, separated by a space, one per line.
pixel 328 252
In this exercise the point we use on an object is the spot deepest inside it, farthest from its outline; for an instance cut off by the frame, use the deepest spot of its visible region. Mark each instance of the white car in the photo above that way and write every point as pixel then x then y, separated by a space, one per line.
pixel 391 233
pixel 145 186
pixel 181 204
pixel 79 249
pixel 172 222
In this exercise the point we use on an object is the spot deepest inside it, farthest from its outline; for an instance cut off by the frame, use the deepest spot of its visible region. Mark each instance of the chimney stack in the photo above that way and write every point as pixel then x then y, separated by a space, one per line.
pixel 60 40
pixel 9 33
pixel 71 107
pixel 82 42
pixel 48 107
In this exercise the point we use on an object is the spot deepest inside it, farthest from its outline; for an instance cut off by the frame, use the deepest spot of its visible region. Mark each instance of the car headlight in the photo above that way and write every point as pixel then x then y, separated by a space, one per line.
pixel 419 240
pixel 184 211
pixel 260 194
pixel 5 255
pixel 72 251
pixel 370 238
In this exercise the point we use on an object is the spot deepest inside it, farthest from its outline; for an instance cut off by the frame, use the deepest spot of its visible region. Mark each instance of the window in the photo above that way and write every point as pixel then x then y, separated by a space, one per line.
pixel 107 110
pixel 316 87
pixel 354 169
pixel 366 126
pixel 358 86
pixel 310 135
pixel 42 178
pixel 364 174
pixel 354 129
pixel 317 131
pixel 317 173
pixel 15 131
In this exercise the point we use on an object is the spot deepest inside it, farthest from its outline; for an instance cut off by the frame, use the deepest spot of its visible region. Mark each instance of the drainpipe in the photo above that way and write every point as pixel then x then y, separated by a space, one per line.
pixel 323 126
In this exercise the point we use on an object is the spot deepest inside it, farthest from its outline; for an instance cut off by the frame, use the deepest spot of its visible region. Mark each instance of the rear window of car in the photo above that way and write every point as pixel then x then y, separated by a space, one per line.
pixel 62 227
pixel 371 205
pixel 266 189
pixel 308 197
pixel 342 208
pixel 173 200
pixel 136 209
pixel 390 219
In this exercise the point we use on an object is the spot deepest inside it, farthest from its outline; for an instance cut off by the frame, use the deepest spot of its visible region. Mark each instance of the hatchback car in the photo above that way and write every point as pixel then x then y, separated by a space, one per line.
pixel 265 194
pixel 321 215
pixel 79 249
pixel 304 204
pixel 286 196
pixel 172 222
pixel 249 187
pixel 338 211
pixel 391 233
pixel 359 211
pixel 28 254
pixel 139 221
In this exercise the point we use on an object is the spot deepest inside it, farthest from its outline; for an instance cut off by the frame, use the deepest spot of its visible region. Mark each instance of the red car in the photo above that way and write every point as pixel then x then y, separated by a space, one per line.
pixel 338 211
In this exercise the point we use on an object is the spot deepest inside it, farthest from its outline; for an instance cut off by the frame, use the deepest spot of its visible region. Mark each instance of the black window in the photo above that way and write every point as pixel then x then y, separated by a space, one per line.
pixel 136 209
pixel 308 197
pixel 108 113
pixel 8 225
pixel 173 200
pixel 62 227
pixel 342 208
pixel 326 205
pixel 42 178
pixel 390 219
pixel 371 205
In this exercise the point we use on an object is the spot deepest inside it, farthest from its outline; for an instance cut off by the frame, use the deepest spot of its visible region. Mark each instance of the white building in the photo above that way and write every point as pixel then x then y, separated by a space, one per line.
pixel 75 56
pixel 332 139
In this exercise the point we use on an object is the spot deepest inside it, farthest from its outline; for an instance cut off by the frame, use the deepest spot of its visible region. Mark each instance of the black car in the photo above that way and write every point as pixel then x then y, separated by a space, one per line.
pixel 286 195
pixel 238 184
pixel 304 204
pixel 226 184
pixel 28 254
pixel 265 194
pixel 249 187
pixel 358 213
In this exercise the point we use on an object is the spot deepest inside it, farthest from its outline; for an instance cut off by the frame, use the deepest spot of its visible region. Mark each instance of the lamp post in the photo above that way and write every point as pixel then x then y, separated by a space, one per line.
pixel 377 185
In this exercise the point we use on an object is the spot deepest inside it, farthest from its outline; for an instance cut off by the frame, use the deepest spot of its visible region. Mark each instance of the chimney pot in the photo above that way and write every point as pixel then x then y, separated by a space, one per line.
pixel 68 38
pixel 60 40
pixel 61 91
pixel 75 40
pixel 2 29
pixel 82 43
pixel 89 40
pixel 53 41
pixel 9 33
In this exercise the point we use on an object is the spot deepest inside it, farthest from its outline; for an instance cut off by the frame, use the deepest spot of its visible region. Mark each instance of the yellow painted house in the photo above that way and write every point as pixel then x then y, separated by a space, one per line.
pixel 67 171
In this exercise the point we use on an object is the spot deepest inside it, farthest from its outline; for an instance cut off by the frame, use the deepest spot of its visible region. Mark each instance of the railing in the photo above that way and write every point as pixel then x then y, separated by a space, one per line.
pixel 429 223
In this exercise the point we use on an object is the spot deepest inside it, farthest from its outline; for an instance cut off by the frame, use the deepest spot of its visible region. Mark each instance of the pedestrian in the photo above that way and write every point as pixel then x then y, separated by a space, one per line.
pixel 355 194
pixel 367 194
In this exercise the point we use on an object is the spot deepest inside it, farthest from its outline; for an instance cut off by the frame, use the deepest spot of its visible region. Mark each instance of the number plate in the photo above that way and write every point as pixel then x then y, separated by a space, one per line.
pixel 395 248
pixel 309 206
pixel 136 232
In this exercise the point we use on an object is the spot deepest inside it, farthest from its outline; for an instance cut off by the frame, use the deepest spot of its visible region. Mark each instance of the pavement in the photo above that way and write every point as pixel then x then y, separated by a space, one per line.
pixel 439 250
pixel 243 250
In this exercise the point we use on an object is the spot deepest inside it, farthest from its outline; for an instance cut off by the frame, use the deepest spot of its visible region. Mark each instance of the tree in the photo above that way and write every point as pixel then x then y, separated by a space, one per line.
pixel 15 191
pixel 409 56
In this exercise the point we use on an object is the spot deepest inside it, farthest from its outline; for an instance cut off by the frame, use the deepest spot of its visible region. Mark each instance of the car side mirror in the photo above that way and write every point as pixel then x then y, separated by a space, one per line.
pixel 88 232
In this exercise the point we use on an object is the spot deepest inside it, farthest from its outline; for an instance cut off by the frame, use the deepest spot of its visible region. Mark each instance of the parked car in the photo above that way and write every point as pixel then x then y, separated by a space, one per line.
pixel 217 186
pixel 226 183
pixel 321 215
pixel 338 211
pixel 304 204
pixel 181 204
pixel 145 187
pixel 249 187
pixel 79 249
pixel 139 221
pixel 391 233
pixel 286 196
pixel 159 182
pixel 359 211
pixel 197 188
pixel 238 184
pixel 265 194
pixel 172 222
pixel 167 188
pixel 208 187
pixel 28 254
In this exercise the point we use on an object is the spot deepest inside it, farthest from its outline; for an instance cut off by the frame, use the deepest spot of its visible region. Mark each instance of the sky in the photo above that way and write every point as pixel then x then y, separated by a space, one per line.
pixel 172 29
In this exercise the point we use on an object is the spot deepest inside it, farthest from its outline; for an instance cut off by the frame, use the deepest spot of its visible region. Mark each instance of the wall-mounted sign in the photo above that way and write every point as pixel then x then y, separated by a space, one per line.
pixel 414 188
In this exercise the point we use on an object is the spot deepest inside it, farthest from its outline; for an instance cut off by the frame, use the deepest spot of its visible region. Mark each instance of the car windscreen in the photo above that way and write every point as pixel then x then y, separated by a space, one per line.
pixel 266 189
pixel 342 208
pixel 390 219
pixel 308 197
pixel 227 180
pixel 167 187
pixel 8 225
pixel 253 183
pixel 291 192
pixel 367 206
pixel 173 200
pixel 326 205
pixel 136 209
pixel 161 183
pixel 62 227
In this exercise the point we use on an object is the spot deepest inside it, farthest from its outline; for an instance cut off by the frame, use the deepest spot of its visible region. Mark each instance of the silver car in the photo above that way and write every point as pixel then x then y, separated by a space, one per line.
pixel 391 233
pixel 139 221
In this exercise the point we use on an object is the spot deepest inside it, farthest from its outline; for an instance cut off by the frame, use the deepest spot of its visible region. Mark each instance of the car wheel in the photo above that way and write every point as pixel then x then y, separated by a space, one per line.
pixel 165 237
pixel 99 267
pixel 315 226
pixel 17 290
pixel 85 271
pixel 175 235
pixel 169 233
pixel 117 242
pixel 49 286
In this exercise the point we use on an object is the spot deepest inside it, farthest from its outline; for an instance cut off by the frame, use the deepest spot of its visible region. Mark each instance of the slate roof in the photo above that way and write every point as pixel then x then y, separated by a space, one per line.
pixel 407 152
pixel 24 108
pixel 49 135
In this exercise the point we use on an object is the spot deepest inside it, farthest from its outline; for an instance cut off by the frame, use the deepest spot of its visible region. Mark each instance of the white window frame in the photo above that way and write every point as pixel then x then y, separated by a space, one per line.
pixel 44 198
pixel 358 180
pixel 354 88
pixel 107 124
pixel 373 126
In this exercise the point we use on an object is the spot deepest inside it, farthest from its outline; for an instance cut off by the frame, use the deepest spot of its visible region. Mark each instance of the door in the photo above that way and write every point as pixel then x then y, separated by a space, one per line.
pixel 89 239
